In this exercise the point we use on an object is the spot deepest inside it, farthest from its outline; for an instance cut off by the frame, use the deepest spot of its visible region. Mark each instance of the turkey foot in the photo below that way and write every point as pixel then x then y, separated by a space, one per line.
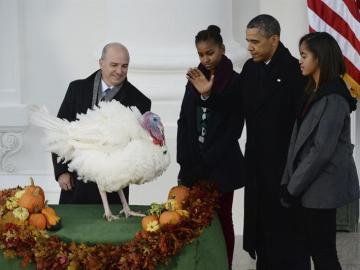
pixel 110 217
pixel 126 209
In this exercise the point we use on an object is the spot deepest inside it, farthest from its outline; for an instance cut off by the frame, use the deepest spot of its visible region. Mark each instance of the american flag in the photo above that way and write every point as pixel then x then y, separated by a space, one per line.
pixel 341 19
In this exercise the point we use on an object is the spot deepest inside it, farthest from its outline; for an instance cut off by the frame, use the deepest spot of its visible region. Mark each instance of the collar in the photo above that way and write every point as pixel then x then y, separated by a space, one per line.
pixel 267 62
pixel 104 86
pixel 280 50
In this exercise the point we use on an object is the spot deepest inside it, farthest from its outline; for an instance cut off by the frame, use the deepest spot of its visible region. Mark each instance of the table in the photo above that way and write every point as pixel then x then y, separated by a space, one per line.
pixel 84 223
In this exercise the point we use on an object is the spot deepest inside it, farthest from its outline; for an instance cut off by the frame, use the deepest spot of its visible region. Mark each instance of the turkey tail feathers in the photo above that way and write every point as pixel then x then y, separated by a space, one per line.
pixel 55 129
pixel 40 116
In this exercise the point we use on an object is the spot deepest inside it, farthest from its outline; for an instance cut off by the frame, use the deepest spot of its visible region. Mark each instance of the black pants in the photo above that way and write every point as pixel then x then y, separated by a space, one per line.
pixel 320 234
pixel 280 240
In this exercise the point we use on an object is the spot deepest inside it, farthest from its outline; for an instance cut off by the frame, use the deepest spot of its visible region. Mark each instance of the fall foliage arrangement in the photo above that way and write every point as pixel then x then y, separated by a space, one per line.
pixel 166 230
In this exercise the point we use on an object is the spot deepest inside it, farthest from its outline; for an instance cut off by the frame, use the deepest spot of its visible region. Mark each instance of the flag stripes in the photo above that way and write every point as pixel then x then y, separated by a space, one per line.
pixel 341 19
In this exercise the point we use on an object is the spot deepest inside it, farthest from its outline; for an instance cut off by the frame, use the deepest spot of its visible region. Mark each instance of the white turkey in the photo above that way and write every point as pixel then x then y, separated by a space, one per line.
pixel 112 145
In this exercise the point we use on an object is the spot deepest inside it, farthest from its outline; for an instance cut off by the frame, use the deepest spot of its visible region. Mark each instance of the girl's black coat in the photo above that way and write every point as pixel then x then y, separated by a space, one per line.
pixel 221 160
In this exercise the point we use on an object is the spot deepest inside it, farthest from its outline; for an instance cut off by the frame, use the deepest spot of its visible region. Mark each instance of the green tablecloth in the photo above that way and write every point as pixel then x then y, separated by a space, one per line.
pixel 84 223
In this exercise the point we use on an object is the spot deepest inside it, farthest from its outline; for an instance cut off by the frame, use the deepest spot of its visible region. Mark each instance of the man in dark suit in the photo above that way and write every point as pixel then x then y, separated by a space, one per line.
pixel 107 83
pixel 272 86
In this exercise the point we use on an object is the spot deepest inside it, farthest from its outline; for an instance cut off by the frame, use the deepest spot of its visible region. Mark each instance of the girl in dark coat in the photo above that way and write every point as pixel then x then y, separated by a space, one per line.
pixel 207 139
pixel 320 173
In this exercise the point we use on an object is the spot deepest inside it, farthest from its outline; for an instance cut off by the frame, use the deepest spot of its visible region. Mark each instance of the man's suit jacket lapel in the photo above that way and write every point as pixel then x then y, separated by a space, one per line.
pixel 269 81
pixel 123 93
pixel 84 95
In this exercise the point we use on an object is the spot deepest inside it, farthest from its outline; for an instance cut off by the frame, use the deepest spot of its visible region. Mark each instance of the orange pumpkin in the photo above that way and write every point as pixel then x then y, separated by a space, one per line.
pixel 51 217
pixel 32 188
pixel 169 217
pixel 32 201
pixel 147 219
pixel 179 193
pixel 38 220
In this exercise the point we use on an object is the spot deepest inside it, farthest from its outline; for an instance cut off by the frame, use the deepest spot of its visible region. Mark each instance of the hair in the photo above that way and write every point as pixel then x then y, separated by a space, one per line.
pixel 266 24
pixel 212 33
pixel 113 44
pixel 328 53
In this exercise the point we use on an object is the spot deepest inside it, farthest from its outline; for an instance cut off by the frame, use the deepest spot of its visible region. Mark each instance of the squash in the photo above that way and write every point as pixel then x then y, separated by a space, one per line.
pixel 183 213
pixel 32 201
pixel 19 193
pixel 38 220
pixel 10 218
pixel 55 227
pixel 21 213
pixel 30 189
pixel 172 205
pixel 52 218
pixel 11 203
pixel 179 193
pixel 150 223
pixel 169 217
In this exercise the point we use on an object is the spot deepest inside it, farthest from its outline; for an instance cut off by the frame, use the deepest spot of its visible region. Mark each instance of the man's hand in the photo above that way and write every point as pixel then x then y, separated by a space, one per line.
pixel 200 82
pixel 65 181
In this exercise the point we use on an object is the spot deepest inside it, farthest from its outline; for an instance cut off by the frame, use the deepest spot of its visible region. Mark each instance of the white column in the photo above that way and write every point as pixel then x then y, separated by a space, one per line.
pixel 160 36
pixel 9 50
pixel 12 112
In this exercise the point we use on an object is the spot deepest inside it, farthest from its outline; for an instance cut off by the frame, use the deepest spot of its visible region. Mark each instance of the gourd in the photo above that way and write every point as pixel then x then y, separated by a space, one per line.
pixel 52 219
pixel 21 213
pixel 183 213
pixel 9 217
pixel 172 205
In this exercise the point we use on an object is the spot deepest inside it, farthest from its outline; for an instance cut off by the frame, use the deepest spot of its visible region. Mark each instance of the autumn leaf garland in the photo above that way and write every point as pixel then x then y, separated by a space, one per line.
pixel 145 251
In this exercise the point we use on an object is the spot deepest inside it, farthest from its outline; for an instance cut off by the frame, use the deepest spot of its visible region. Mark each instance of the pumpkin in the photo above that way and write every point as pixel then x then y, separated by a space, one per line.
pixel 51 217
pixel 32 201
pixel 179 193
pixel 150 223
pixel 32 188
pixel 169 217
pixel 38 220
